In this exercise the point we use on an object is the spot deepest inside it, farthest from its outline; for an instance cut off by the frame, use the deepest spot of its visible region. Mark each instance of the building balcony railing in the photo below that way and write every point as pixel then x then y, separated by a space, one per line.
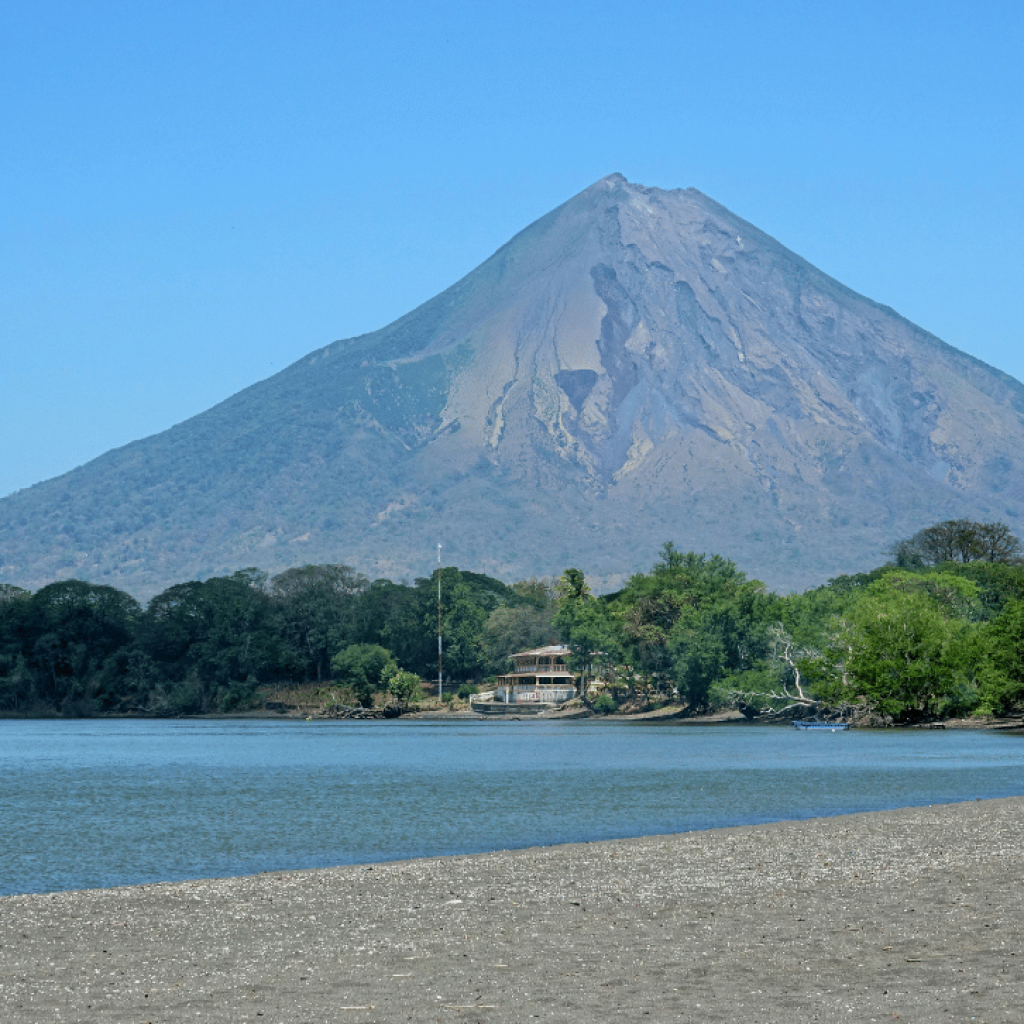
pixel 546 695
pixel 543 673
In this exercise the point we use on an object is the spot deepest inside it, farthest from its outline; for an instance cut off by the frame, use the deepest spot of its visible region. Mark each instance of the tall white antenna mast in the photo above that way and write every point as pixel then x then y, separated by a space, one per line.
pixel 440 684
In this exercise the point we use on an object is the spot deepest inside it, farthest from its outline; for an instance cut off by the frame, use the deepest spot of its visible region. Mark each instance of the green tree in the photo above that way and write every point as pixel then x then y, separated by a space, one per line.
pixel 899 647
pixel 405 687
pixel 593 643
pixel 17 615
pixel 1001 689
pixel 541 593
pixel 691 622
pixel 365 668
pixel 211 640
pixel 316 612
pixel 467 601
pixel 573 589
pixel 391 614
pixel 76 627
pixel 998 584
pixel 587 627
pixel 17 689
pixel 958 540
pixel 514 628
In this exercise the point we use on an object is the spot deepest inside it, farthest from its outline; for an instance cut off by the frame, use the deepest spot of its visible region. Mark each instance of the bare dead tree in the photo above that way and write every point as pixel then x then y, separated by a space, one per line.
pixel 790 694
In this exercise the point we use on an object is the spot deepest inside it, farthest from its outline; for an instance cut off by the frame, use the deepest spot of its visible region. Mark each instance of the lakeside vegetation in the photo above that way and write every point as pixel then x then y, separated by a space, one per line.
pixel 938 631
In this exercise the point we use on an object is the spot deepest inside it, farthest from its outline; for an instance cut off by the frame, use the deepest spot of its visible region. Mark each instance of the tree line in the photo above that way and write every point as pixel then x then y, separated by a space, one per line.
pixel 78 648
pixel 938 630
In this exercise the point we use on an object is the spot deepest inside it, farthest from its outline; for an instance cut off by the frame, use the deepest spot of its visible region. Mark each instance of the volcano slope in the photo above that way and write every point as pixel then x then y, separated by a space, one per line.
pixel 637 366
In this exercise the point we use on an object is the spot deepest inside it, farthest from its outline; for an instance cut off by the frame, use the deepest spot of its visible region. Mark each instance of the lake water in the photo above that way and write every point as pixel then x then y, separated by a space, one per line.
pixel 103 803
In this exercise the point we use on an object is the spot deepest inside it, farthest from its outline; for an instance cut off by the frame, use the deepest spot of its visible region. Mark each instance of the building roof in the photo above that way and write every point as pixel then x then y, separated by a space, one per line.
pixel 543 652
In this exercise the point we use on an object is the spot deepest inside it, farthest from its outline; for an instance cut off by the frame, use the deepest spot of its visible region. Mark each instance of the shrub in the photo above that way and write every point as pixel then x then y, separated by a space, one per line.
pixel 405 687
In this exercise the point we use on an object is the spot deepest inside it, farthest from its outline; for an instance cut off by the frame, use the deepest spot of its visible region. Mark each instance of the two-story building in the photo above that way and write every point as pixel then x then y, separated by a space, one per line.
pixel 541 676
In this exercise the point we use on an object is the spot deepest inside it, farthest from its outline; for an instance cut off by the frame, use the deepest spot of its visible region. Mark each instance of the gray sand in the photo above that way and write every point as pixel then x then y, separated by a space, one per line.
pixel 915 915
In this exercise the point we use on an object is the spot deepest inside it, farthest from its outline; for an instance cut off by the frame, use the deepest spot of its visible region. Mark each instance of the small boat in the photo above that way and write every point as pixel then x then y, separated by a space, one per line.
pixel 830 726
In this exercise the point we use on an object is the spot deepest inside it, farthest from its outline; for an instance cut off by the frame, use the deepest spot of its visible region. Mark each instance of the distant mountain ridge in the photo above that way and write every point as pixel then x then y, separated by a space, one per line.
pixel 637 366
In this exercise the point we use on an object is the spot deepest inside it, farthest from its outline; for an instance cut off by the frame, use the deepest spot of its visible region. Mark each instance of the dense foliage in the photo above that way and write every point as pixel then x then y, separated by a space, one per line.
pixel 75 648
pixel 918 638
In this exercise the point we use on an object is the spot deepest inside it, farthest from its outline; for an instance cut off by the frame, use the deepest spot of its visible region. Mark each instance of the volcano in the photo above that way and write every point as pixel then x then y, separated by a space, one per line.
pixel 637 366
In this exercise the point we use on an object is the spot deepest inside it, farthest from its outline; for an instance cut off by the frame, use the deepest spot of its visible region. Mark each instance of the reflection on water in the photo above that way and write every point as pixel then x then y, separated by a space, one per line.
pixel 102 803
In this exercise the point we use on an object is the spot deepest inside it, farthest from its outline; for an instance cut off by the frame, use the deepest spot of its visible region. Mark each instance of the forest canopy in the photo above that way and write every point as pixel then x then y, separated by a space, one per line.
pixel 937 631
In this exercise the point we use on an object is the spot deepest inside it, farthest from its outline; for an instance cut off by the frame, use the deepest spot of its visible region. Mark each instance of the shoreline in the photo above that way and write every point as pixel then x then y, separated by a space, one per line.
pixel 915 913
pixel 665 716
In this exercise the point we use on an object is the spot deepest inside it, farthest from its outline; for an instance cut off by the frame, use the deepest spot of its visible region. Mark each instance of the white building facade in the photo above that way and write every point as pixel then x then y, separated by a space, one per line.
pixel 539 676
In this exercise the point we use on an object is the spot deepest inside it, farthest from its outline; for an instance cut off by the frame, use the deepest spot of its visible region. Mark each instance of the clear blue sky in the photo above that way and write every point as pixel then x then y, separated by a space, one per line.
pixel 194 195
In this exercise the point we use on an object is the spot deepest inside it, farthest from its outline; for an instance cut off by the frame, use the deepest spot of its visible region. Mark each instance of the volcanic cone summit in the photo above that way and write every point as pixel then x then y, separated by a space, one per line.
pixel 637 366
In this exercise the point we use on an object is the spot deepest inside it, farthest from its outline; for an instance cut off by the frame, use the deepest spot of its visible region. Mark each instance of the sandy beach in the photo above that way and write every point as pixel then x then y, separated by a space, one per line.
pixel 913 915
